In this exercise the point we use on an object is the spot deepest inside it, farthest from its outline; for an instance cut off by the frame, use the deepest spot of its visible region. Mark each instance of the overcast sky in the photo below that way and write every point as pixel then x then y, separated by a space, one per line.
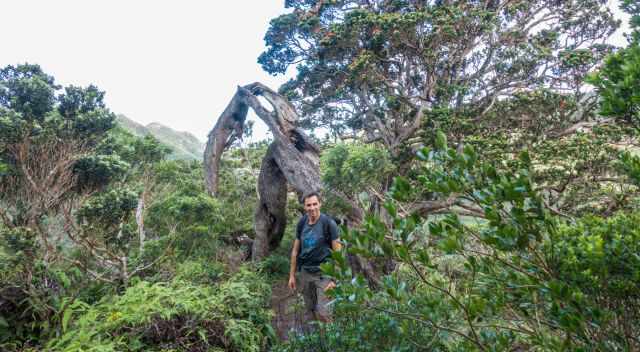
pixel 173 62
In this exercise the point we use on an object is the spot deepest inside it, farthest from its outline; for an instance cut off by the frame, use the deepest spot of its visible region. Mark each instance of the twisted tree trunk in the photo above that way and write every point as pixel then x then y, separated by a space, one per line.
pixel 270 218
pixel 221 136
pixel 292 158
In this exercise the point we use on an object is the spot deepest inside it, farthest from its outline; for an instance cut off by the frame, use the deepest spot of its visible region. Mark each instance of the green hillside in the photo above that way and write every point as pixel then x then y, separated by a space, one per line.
pixel 184 145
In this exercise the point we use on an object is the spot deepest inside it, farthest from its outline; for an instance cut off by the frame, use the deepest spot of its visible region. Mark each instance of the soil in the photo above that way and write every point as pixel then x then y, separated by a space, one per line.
pixel 288 310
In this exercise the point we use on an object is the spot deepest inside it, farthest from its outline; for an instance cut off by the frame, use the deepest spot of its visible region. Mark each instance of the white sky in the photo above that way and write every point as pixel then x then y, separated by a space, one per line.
pixel 173 62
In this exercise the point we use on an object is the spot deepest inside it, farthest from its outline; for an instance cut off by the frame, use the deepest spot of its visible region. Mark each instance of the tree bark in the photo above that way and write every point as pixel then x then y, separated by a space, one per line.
pixel 221 136
pixel 270 216
pixel 292 158
pixel 140 219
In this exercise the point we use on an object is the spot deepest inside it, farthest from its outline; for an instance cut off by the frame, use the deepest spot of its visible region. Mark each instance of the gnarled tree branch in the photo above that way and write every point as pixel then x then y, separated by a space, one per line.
pixel 292 158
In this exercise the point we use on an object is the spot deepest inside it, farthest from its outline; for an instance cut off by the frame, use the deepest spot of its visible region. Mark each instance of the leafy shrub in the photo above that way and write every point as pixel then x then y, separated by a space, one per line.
pixel 601 255
pixel 33 294
pixel 364 330
pixel 199 272
pixel 275 265
pixel 181 316
pixel 20 275
pixel 618 84
pixel 521 277
pixel 354 169
pixel 355 166
pixel 598 258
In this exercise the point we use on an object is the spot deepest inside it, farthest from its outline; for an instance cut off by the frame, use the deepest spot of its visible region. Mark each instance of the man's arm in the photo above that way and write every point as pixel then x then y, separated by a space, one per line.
pixel 294 264
pixel 334 236
pixel 336 245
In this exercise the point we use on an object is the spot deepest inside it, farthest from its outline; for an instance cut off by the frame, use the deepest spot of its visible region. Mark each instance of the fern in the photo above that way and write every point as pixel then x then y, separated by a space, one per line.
pixel 183 315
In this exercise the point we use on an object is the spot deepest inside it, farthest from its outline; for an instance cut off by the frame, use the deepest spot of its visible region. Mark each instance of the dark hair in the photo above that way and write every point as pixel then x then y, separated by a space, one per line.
pixel 309 195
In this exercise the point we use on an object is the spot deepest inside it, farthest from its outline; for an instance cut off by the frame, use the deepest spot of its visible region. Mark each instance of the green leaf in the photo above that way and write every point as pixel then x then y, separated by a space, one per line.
pixel 450 244
pixel 64 279
pixel 403 253
pixel 202 334
pixel 423 257
pixel 441 140
pixel 423 154
pixel 66 317
pixel 400 189
pixel 391 208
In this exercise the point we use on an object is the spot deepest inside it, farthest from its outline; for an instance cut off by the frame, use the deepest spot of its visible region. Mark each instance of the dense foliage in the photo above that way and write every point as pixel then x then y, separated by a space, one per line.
pixel 618 81
pixel 380 68
pixel 519 277
pixel 497 194
pixel 500 75
pixel 514 228
pixel 96 223
pixel 181 315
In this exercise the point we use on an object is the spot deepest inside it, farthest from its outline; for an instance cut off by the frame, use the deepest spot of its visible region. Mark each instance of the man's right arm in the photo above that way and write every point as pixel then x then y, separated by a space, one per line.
pixel 294 264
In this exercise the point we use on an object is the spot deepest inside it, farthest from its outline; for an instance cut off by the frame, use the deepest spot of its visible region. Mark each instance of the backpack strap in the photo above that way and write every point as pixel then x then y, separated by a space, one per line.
pixel 326 230
pixel 300 225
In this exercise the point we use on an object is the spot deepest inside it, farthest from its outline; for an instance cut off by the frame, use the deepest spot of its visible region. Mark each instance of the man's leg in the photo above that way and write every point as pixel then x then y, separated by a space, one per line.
pixel 322 308
pixel 307 288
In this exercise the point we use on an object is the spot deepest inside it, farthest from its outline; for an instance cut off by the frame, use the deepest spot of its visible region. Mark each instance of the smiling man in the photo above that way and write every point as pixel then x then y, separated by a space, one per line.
pixel 316 237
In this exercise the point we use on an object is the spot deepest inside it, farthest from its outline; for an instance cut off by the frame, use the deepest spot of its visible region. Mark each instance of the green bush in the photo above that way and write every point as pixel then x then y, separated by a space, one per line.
pixel 199 272
pixel 275 266
pixel 520 277
pixel 599 260
pixel 33 300
pixel 181 316
pixel 30 292
pixel 601 255
pixel 364 330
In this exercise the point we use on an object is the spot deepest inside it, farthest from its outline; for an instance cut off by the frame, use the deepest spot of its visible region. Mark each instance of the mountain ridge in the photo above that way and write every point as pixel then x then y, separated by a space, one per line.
pixel 184 145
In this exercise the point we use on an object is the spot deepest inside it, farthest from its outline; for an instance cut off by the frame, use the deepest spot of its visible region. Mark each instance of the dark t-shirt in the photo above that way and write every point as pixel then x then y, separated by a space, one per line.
pixel 315 242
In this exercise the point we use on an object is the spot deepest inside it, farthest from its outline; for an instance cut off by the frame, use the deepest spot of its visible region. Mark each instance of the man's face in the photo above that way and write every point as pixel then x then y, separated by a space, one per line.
pixel 312 207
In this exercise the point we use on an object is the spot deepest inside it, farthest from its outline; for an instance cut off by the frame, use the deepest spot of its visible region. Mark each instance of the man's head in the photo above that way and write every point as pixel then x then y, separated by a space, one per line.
pixel 312 204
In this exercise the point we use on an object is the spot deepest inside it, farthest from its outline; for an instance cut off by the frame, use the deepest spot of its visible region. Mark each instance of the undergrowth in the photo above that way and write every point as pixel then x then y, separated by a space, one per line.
pixel 178 316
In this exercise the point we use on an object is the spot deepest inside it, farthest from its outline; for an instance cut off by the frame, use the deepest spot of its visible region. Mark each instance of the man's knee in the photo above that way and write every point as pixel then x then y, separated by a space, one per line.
pixel 324 315
pixel 323 307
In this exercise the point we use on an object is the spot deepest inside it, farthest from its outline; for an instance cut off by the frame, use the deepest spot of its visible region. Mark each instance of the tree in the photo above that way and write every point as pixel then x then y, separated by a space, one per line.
pixel 47 136
pixel 291 158
pixel 66 175
pixel 379 66
pixel 618 80
pixel 43 141
pixel 392 72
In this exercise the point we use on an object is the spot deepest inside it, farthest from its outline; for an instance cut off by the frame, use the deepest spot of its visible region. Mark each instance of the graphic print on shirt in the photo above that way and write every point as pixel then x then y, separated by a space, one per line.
pixel 309 240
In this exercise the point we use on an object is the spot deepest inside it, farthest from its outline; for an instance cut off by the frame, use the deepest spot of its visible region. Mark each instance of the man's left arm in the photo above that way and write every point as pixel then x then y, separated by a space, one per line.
pixel 334 235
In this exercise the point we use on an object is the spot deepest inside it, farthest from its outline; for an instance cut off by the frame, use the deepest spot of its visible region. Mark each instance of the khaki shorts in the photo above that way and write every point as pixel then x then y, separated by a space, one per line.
pixel 312 286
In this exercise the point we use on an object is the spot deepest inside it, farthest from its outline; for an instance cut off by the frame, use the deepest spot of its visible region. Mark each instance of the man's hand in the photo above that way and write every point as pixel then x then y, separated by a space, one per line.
pixel 292 283
pixel 330 285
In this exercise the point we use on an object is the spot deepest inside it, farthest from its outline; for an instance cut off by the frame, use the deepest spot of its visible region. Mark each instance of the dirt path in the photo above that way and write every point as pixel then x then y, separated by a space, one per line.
pixel 288 310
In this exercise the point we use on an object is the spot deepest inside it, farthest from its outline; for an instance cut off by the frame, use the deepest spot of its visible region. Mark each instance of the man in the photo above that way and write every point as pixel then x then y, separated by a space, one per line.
pixel 316 237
